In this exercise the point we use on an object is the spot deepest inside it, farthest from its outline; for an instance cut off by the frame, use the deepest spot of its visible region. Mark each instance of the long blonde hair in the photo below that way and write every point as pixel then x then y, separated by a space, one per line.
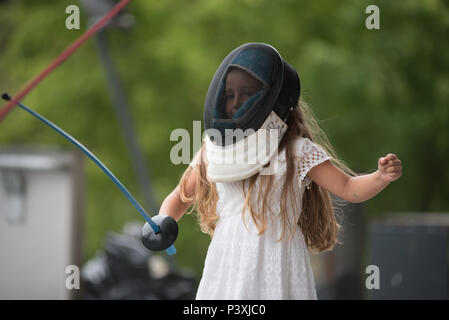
pixel 317 220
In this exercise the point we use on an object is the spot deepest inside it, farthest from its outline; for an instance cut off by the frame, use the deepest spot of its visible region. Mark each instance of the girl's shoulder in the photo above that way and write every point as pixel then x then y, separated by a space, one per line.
pixel 304 146
pixel 309 154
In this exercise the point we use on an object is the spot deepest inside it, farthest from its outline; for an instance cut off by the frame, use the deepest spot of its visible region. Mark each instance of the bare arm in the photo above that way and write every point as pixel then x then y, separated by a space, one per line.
pixel 356 189
pixel 364 187
pixel 173 205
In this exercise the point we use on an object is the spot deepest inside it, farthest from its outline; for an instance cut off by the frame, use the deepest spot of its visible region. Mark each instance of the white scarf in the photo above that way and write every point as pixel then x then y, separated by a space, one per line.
pixel 248 156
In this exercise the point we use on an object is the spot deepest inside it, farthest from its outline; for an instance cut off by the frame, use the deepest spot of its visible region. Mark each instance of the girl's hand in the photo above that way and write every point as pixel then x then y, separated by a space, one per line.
pixel 389 168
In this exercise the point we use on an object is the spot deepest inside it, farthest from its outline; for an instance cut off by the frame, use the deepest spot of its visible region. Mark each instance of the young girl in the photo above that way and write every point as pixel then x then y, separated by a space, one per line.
pixel 263 225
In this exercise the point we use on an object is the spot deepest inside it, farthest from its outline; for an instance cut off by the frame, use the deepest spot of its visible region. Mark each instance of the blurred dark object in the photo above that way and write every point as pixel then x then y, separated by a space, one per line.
pixel 126 270
pixel 412 254
pixel 98 8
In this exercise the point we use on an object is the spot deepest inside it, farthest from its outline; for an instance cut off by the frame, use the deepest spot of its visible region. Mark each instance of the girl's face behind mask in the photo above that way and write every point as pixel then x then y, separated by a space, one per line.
pixel 240 86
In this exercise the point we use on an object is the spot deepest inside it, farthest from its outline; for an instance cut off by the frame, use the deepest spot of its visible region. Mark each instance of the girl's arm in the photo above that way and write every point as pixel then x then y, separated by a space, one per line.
pixel 360 188
pixel 173 205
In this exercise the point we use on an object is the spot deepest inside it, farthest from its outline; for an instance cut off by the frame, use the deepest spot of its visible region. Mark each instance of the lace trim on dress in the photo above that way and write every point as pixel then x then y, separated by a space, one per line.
pixel 311 155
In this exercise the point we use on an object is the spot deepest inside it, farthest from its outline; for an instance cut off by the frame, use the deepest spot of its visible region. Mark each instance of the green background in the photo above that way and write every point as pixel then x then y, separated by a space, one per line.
pixel 373 91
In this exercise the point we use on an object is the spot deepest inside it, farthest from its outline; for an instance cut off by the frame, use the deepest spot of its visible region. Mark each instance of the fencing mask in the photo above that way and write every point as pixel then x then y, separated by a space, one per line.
pixel 247 106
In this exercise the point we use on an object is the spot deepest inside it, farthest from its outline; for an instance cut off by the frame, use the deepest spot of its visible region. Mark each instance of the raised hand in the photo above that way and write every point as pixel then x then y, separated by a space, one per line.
pixel 389 167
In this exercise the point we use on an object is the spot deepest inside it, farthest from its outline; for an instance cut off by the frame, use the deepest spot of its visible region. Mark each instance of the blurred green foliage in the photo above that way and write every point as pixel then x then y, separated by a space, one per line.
pixel 374 91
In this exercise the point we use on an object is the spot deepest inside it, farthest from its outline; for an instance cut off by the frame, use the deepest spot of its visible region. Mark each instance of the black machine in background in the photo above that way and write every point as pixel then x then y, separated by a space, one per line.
pixel 126 270
pixel 412 254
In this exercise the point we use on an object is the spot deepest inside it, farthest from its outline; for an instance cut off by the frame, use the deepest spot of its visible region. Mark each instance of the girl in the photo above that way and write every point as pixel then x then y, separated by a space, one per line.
pixel 262 225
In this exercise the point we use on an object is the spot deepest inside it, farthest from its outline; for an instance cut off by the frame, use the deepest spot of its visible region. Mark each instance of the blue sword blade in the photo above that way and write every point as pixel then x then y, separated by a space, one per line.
pixel 171 250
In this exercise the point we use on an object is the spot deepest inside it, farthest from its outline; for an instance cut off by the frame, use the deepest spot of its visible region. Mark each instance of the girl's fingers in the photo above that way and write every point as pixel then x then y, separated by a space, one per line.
pixel 393 168
pixel 393 163
pixel 394 173
pixel 392 156
pixel 389 157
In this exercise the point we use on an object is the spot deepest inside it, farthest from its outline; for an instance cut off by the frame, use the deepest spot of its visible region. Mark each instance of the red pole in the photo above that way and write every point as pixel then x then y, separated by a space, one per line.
pixel 63 56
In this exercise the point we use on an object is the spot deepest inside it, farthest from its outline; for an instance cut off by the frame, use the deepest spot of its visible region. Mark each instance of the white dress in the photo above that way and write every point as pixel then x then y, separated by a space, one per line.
pixel 243 265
